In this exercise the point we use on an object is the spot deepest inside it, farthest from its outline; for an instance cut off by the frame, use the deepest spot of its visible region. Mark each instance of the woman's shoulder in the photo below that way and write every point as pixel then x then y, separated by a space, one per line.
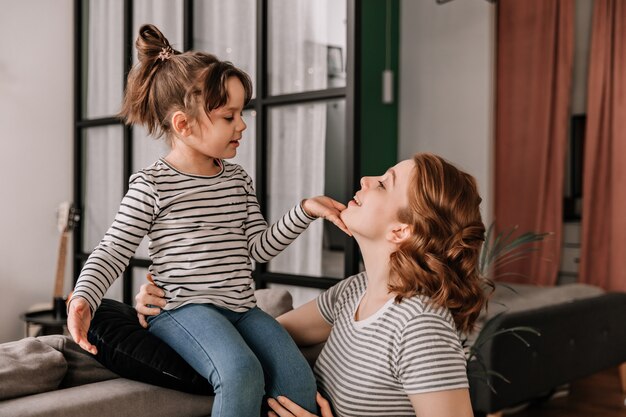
pixel 347 288
pixel 421 308
pixel 355 284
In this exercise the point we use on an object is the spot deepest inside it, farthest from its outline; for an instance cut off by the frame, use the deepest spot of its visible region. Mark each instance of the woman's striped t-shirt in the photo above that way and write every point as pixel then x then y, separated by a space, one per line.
pixel 203 232
pixel 368 367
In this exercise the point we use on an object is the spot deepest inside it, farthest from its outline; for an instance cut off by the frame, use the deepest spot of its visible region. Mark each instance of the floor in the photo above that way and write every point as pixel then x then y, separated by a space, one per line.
pixel 596 396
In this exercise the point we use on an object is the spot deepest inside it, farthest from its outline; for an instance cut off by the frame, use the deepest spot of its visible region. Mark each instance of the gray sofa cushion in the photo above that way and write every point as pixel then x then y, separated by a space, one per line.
pixel 274 301
pixel 82 368
pixel 29 366
pixel 117 397
pixel 512 298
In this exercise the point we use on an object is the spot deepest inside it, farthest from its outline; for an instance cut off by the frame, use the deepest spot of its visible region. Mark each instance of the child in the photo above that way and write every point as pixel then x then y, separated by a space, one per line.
pixel 204 224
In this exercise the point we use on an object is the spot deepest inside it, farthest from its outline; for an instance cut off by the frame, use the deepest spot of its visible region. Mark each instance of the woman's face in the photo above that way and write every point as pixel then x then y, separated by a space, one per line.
pixel 372 213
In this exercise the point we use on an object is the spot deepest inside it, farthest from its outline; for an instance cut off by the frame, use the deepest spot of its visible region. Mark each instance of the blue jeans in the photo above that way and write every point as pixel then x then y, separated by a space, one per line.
pixel 242 355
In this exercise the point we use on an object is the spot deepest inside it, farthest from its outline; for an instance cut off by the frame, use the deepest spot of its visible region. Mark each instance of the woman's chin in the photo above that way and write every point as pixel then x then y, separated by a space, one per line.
pixel 345 218
pixel 349 224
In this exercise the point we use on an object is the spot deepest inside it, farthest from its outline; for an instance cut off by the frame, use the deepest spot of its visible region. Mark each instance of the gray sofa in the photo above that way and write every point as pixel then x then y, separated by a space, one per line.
pixel 51 376
pixel 582 332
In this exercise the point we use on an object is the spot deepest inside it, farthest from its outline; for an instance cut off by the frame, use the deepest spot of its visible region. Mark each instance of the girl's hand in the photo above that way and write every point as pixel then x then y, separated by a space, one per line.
pixel 284 407
pixel 149 301
pixel 78 320
pixel 326 208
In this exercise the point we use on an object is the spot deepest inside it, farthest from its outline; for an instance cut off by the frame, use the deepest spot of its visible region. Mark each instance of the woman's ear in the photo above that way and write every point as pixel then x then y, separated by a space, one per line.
pixel 399 233
pixel 180 124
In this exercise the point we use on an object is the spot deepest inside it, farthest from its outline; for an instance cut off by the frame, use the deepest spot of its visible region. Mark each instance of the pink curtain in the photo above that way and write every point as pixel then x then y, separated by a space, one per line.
pixel 534 72
pixel 603 252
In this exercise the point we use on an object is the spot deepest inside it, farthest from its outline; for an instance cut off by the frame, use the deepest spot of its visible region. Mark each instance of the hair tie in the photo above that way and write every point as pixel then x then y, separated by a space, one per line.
pixel 166 53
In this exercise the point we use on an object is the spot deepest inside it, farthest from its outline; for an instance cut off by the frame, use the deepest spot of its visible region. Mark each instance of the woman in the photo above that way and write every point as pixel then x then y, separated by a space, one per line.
pixel 392 331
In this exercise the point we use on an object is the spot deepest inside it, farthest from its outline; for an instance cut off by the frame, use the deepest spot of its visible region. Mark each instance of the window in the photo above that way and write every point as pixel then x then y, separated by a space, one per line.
pixel 301 121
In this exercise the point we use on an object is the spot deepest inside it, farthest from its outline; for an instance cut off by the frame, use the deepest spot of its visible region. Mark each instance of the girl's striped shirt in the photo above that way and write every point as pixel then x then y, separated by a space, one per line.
pixel 203 231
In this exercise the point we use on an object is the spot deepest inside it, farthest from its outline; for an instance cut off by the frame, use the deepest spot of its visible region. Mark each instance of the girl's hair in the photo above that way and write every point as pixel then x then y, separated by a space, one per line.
pixel 165 81
pixel 440 259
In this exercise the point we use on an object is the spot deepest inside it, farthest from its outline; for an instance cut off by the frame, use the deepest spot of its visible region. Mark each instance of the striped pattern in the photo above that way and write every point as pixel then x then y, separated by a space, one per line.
pixel 367 368
pixel 203 233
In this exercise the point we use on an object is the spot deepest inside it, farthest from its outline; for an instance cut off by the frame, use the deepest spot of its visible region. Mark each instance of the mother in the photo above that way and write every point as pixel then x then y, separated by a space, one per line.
pixel 392 332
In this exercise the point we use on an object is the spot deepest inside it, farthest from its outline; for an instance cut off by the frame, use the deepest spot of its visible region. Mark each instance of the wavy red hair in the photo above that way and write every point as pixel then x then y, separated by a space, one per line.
pixel 440 258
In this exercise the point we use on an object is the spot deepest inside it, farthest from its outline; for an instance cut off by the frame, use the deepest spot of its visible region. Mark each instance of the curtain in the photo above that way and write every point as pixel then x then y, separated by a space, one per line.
pixel 103 146
pixel 603 244
pixel 227 29
pixel 167 15
pixel 297 147
pixel 534 71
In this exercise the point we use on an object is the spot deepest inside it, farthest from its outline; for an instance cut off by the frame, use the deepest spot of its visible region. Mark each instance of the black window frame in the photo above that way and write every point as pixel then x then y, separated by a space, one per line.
pixel 262 104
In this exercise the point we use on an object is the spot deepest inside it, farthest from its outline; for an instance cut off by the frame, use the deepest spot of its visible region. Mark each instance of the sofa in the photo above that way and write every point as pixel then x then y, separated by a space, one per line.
pixel 51 376
pixel 581 332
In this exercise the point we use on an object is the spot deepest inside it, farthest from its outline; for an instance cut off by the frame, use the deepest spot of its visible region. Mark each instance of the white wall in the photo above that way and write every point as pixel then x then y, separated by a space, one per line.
pixel 447 85
pixel 36 140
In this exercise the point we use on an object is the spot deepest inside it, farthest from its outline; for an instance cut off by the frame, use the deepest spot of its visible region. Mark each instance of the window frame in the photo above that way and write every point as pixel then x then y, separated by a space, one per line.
pixel 262 104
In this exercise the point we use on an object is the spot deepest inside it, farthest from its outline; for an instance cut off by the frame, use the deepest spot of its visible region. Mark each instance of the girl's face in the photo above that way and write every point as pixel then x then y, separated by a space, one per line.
pixel 372 213
pixel 218 134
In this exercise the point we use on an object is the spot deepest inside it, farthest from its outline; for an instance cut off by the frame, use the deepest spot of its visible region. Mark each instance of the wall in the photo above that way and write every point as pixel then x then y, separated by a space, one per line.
pixel 378 120
pixel 447 85
pixel 36 170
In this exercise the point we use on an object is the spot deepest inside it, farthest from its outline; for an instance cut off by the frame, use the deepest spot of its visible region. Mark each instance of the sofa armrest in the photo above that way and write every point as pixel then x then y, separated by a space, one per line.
pixel 274 301
pixel 578 338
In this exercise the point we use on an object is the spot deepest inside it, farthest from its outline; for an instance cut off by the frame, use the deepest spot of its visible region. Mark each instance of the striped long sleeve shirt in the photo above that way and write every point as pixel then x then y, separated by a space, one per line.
pixel 203 233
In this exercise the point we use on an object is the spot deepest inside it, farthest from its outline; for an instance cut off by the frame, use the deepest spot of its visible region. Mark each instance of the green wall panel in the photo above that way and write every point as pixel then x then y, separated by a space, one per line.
pixel 379 121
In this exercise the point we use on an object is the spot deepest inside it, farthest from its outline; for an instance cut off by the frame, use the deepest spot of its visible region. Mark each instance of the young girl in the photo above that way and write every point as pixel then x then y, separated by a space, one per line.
pixel 392 332
pixel 204 225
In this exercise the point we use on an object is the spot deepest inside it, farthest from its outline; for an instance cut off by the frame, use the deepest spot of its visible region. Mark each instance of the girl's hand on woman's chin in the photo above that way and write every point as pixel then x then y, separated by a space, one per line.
pixel 326 208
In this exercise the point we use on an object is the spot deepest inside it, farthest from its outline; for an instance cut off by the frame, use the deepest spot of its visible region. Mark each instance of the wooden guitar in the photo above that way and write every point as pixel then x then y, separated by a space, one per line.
pixel 66 220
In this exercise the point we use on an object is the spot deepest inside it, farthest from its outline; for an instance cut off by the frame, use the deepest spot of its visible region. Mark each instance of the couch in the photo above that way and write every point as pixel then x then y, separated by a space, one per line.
pixel 582 332
pixel 51 376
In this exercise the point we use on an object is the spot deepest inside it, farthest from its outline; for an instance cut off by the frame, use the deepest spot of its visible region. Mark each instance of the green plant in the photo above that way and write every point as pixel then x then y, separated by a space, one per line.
pixel 499 250
pixel 488 332
pixel 503 248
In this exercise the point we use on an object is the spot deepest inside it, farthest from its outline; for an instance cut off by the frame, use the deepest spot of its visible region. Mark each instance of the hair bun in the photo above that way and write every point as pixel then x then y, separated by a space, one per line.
pixel 152 45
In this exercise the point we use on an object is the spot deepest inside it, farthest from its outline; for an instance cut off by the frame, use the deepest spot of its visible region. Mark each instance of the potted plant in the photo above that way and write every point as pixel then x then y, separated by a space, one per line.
pixel 498 250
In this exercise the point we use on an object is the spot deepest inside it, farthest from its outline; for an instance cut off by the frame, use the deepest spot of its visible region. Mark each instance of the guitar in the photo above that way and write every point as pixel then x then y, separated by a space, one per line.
pixel 67 217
